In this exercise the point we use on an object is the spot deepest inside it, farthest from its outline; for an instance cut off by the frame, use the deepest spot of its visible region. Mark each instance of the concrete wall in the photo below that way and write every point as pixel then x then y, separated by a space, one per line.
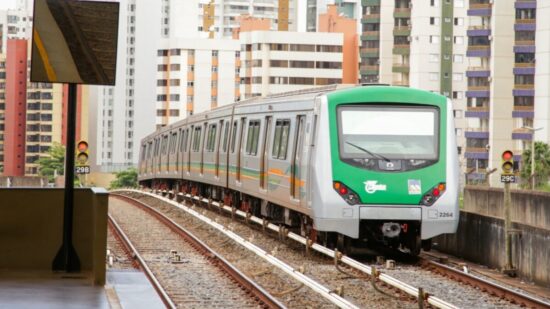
pixel 480 235
pixel 31 222
pixel 23 181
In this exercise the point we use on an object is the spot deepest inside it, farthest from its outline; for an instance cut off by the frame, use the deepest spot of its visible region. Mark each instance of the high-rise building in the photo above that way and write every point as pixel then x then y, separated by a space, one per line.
pixel 507 44
pixel 195 75
pixel 218 18
pixel 310 10
pixel 420 44
pixel 121 115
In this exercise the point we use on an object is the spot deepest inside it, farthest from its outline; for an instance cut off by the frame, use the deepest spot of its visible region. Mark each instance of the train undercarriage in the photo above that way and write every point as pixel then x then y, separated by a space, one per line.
pixel 375 236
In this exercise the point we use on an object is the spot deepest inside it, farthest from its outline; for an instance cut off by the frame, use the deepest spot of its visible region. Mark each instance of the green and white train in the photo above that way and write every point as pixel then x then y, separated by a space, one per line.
pixel 347 166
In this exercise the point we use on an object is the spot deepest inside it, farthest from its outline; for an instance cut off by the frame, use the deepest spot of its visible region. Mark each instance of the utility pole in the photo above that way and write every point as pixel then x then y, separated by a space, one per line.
pixel 507 177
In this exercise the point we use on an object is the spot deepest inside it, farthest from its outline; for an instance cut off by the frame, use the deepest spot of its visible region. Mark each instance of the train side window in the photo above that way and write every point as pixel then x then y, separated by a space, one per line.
pixel 164 144
pixel 143 152
pixel 280 140
pixel 173 142
pixel 197 139
pixel 225 136
pixel 234 136
pixel 186 140
pixel 149 149
pixel 182 133
pixel 253 137
pixel 211 141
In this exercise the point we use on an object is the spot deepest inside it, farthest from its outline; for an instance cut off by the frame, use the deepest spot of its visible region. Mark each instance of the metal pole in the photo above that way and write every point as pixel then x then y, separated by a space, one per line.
pixel 509 268
pixel 67 259
pixel 533 161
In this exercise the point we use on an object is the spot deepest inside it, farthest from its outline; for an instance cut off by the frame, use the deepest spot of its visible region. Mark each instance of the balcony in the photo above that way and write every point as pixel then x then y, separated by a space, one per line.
pixel 371 19
pixel 478 72
pixel 402 31
pixel 401 49
pixel 477 112
pixel 523 112
pixel 400 68
pixel 479 9
pixel 477 133
pixel 522 134
pixel 369 69
pixel 479 31
pixel 478 51
pixel 524 86
pixel 370 2
pixel 480 153
pixel 400 83
pixel 523 90
pixel 479 88
pixel 525 27
pixel 526 21
pixel 525 4
pixel 370 52
pixel 478 92
pixel 370 36
pixel 525 48
pixel 402 13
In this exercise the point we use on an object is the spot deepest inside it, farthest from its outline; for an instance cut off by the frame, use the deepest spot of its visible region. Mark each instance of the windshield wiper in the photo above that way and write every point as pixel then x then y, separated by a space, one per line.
pixel 369 152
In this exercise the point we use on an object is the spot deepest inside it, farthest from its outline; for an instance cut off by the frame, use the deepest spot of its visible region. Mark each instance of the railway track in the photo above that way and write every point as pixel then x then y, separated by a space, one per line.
pixel 367 271
pixel 192 275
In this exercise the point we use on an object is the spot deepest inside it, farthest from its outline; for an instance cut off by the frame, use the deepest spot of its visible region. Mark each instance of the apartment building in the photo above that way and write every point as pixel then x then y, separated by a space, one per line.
pixel 506 100
pixel 309 11
pixel 273 62
pixel 121 115
pixel 420 44
pixel 195 75
pixel 219 18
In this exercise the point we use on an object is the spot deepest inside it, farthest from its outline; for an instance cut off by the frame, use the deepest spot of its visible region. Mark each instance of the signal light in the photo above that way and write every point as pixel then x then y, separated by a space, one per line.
pixel 507 165
pixel 82 153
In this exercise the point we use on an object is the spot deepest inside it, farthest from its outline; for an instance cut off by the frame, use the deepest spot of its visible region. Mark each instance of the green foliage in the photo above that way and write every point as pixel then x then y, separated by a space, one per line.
pixel 53 163
pixel 127 178
pixel 542 165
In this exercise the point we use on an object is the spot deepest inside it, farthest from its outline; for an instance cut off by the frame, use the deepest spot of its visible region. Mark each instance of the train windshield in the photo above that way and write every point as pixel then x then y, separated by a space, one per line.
pixel 388 132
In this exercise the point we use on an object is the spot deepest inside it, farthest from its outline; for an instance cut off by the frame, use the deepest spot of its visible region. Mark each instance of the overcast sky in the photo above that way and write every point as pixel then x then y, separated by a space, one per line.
pixel 7 4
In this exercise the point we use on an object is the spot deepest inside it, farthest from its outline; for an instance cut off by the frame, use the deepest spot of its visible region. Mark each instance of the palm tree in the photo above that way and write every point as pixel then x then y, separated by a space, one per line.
pixel 542 164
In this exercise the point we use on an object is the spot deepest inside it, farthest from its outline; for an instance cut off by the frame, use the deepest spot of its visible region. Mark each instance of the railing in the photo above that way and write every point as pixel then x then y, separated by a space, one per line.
pixel 400 65
pixel 521 130
pixel 477 69
pixel 400 83
pixel 524 108
pixel 526 21
pixel 524 64
pixel 477 108
pixel 478 88
pixel 402 46
pixel 476 149
pixel 524 86
pixel 370 50
pixel 371 33
pixel 525 42
pixel 371 16
pixel 369 67
pixel 477 129
pixel 479 47
pixel 481 27
pixel 402 10
pixel 480 5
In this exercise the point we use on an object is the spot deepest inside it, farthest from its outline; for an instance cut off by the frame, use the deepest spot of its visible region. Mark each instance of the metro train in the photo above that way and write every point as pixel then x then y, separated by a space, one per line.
pixel 344 165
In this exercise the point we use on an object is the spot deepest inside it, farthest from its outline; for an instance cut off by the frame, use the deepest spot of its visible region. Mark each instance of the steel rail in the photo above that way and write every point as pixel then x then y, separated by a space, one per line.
pixel 325 292
pixel 214 258
pixel 143 265
pixel 485 285
pixel 365 269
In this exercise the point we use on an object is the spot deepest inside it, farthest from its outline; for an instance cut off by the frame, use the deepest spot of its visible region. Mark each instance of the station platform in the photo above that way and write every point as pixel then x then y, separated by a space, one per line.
pixel 123 289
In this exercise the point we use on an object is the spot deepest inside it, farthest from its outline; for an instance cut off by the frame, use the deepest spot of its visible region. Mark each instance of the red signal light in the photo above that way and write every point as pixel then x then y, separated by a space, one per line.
pixel 507 155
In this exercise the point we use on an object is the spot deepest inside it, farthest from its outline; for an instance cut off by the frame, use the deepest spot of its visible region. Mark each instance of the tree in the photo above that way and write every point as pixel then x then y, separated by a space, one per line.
pixel 52 164
pixel 542 164
pixel 127 178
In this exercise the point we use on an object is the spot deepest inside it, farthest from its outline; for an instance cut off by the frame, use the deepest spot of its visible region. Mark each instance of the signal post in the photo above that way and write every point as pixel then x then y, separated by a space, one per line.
pixel 507 177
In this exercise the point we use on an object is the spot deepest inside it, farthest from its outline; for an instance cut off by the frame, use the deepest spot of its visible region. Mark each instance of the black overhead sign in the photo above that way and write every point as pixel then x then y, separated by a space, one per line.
pixel 74 42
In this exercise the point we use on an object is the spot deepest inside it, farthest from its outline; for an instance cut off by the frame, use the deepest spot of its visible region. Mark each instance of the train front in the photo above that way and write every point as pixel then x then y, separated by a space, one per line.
pixel 393 166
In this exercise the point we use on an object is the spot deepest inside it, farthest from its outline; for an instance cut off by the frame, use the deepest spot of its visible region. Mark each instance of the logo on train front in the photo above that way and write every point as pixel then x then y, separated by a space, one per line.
pixel 372 186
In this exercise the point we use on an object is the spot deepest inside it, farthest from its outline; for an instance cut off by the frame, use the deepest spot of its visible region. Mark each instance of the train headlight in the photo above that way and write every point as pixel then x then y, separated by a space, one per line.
pixel 433 194
pixel 346 193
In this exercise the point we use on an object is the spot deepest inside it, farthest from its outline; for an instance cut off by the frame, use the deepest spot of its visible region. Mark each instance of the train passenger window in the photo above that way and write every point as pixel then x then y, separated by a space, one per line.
pixel 143 151
pixel 280 140
pixel 234 136
pixel 156 152
pixel 149 149
pixel 164 146
pixel 197 139
pixel 252 137
pixel 182 133
pixel 225 136
pixel 185 140
pixel 211 141
pixel 173 142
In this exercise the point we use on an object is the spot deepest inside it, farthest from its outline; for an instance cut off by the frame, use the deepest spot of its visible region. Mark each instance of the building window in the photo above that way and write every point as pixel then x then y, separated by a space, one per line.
pixel 458 58
pixel 457 77
pixel 459 40
pixel 434 21
pixel 433 76
pixel 434 57
pixel 459 21
pixel 434 39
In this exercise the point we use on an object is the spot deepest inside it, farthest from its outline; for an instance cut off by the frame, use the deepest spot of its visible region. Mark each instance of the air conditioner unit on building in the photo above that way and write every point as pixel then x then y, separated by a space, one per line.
pixel 490 38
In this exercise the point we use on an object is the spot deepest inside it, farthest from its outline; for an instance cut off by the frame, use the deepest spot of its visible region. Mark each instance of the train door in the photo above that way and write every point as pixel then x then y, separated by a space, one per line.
pixel 239 149
pixel 296 163
pixel 264 155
